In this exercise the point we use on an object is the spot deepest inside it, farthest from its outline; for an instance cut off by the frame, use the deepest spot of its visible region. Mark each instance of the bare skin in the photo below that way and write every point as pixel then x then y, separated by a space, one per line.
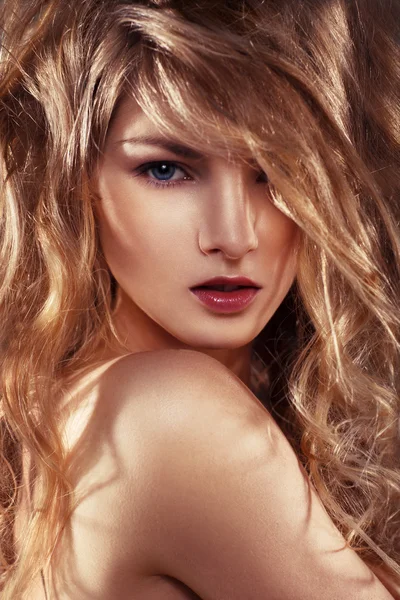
pixel 156 457
pixel 117 419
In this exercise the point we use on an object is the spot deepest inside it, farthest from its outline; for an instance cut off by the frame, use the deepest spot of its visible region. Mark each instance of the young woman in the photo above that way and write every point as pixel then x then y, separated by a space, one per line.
pixel 200 259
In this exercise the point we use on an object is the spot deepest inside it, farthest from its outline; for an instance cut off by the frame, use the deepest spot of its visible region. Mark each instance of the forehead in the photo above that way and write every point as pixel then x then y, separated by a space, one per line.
pixel 129 119
pixel 131 126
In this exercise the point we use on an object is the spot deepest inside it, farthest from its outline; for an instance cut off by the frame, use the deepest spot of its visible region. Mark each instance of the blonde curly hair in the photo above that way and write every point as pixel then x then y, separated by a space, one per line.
pixel 311 91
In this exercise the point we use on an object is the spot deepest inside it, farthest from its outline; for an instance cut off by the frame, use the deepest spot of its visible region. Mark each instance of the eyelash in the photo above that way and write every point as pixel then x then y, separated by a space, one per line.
pixel 142 170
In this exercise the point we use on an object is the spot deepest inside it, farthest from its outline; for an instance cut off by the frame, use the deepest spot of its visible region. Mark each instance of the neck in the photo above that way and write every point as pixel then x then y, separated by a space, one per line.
pixel 237 360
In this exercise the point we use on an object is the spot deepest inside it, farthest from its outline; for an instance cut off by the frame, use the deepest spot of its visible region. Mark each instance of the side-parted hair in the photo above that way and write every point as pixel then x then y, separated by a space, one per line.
pixel 311 90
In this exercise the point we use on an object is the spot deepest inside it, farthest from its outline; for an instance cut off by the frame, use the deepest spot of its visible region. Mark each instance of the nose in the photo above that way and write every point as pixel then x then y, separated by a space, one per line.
pixel 229 222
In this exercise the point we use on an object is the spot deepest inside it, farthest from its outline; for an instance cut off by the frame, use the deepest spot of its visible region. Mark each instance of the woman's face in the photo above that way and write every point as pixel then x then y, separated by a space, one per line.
pixel 170 219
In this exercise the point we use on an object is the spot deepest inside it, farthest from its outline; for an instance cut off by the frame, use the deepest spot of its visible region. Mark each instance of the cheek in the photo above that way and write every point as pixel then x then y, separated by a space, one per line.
pixel 279 248
pixel 136 235
pixel 281 237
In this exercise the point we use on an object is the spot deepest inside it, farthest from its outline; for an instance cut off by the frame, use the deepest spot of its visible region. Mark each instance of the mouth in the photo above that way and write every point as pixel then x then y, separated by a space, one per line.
pixel 224 288
pixel 222 298
pixel 225 284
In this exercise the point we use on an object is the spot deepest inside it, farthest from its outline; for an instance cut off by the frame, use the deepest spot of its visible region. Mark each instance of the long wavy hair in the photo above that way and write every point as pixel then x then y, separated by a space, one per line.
pixel 311 91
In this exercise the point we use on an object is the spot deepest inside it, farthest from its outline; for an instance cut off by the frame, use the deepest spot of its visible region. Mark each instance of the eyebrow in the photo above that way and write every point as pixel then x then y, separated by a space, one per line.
pixel 169 145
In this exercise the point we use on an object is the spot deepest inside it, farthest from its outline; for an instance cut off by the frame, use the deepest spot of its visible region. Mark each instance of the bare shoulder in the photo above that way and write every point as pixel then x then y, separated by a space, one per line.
pixel 187 476
pixel 128 417
pixel 170 398
pixel 179 384
pixel 186 395
pixel 123 415
pixel 232 514
pixel 146 371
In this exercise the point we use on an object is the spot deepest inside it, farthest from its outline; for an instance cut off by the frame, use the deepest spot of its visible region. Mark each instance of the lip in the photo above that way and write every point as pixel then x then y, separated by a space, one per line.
pixel 221 280
pixel 227 302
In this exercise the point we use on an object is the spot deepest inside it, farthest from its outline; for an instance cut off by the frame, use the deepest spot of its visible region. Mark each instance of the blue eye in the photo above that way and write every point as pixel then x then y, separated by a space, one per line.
pixel 162 173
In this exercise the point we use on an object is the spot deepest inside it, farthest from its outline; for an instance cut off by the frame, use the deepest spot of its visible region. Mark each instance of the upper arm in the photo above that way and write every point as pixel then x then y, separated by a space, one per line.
pixel 231 513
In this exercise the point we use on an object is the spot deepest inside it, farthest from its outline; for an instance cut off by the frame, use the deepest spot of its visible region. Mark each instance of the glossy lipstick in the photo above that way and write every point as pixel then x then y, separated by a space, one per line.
pixel 212 294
